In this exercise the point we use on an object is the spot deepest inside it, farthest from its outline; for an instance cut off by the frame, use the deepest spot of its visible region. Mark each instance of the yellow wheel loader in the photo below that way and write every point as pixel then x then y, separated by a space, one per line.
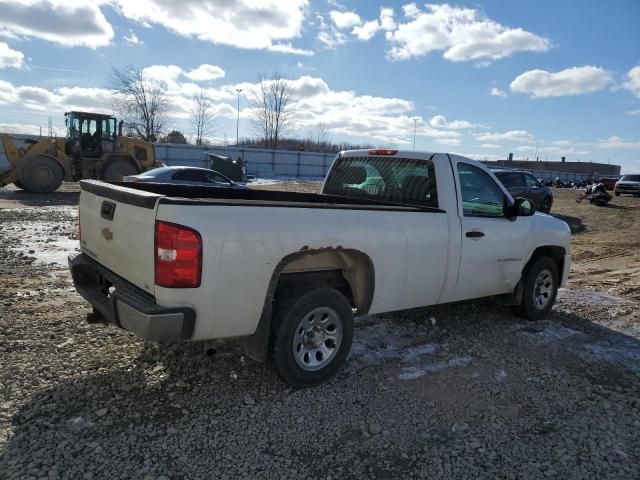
pixel 92 148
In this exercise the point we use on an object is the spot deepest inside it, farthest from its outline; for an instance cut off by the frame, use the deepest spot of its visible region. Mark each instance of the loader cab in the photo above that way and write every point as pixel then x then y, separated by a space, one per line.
pixel 89 135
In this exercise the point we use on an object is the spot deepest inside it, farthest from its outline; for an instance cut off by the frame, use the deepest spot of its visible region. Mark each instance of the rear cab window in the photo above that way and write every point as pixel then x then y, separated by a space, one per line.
pixel 387 179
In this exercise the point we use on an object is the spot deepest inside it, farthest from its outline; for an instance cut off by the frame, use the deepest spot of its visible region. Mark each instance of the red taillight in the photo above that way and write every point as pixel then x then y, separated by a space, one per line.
pixel 382 151
pixel 178 256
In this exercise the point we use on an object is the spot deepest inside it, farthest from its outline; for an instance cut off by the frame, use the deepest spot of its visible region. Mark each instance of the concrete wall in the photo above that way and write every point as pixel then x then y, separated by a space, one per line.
pixel 260 162
pixel 292 163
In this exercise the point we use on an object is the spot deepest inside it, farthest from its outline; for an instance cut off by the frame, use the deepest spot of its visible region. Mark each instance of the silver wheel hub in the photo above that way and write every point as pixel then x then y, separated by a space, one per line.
pixel 317 338
pixel 543 289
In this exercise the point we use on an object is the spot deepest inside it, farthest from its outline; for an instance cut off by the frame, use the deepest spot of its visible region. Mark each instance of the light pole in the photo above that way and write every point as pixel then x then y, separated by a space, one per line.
pixel 238 90
pixel 415 126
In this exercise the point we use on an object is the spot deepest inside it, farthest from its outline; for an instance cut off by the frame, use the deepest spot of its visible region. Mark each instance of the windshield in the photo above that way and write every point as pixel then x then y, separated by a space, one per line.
pixel 388 179
pixel 630 178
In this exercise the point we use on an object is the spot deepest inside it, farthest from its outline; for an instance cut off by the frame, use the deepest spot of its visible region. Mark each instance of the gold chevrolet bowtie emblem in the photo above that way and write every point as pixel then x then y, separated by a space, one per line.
pixel 107 234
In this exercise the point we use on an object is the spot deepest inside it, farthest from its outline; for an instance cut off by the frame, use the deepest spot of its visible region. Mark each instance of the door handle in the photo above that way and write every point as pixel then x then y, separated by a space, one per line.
pixel 474 234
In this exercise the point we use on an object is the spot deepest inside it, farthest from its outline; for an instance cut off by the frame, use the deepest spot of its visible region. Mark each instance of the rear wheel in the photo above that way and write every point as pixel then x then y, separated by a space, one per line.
pixel 116 170
pixel 617 194
pixel 545 206
pixel 540 289
pixel 40 174
pixel 313 331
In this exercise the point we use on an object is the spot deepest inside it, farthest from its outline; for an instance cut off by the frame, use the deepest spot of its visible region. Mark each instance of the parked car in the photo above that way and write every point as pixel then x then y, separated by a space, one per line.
pixel 196 176
pixel 287 271
pixel 628 184
pixel 523 184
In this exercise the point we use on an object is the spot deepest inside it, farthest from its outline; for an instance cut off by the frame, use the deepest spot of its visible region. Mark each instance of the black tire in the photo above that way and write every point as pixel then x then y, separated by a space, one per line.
pixel 545 206
pixel 115 170
pixel 530 308
pixel 41 174
pixel 293 309
pixel 617 194
pixel 19 184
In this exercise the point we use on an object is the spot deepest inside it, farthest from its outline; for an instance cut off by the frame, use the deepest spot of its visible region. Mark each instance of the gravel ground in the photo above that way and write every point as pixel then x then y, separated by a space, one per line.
pixel 462 391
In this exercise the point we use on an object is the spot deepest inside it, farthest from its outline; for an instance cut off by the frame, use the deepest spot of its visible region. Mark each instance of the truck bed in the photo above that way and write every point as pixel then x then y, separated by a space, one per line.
pixel 183 194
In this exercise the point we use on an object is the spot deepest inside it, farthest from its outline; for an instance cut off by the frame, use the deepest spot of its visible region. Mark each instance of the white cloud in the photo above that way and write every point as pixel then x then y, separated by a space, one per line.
pixel 366 31
pixel 242 23
pixel 633 112
pixel 512 135
pixel 59 99
pixel 132 39
pixel 205 72
pixel 10 58
pixel 290 49
pixel 632 82
pixel 344 19
pixel 496 92
pixel 571 81
pixel 617 143
pixel 387 21
pixel 440 121
pixel 69 24
pixel 162 73
pixel 331 38
pixel 490 145
pixel 463 34
pixel 449 141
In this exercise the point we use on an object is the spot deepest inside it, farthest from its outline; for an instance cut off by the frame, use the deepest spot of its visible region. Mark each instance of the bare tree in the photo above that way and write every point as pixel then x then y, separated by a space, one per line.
pixel 139 102
pixel 274 107
pixel 320 134
pixel 202 118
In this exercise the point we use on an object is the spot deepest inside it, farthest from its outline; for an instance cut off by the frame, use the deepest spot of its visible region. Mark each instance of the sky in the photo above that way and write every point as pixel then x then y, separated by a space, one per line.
pixel 478 78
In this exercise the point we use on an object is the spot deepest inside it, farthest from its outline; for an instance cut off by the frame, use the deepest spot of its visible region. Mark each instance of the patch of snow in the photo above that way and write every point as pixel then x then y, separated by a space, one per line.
pixel 412 372
pixel 550 333
pixel 580 295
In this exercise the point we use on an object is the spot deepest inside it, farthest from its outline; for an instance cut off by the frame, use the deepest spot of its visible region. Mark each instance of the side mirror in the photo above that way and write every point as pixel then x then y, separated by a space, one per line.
pixel 522 207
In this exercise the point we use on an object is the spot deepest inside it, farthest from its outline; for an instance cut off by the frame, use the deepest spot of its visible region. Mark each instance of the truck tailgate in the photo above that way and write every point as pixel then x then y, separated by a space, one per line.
pixel 117 229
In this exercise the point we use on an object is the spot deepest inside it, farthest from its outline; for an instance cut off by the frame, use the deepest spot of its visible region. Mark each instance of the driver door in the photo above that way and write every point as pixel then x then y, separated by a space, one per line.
pixel 492 246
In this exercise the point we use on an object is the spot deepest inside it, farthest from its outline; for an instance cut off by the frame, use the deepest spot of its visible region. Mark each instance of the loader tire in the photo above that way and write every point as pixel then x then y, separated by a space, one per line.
pixel 117 169
pixel 40 174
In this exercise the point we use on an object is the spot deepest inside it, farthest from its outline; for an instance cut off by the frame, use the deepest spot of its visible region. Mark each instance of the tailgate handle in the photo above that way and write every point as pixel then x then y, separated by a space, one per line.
pixel 107 210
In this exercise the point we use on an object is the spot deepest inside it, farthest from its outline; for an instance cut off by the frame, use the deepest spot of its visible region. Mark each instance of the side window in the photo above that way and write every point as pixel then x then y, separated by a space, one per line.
pixel 215 178
pixel 189 176
pixel 532 182
pixel 481 196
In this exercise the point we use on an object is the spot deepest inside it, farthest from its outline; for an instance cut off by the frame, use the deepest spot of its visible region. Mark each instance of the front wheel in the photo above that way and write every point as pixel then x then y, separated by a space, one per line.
pixel 540 289
pixel 545 207
pixel 313 332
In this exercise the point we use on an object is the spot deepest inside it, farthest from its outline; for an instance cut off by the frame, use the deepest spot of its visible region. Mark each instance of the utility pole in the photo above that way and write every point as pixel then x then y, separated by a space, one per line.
pixel 415 126
pixel 238 90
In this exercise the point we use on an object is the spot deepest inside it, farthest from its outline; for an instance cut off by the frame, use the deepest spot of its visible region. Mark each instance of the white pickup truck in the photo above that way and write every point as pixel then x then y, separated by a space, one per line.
pixel 287 271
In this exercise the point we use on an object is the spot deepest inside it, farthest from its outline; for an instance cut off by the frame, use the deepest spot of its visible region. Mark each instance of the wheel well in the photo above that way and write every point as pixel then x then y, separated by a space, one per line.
pixel 555 253
pixel 348 271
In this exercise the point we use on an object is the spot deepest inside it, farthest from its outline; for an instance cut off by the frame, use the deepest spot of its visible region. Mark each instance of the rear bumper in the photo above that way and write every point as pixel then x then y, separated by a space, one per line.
pixel 128 306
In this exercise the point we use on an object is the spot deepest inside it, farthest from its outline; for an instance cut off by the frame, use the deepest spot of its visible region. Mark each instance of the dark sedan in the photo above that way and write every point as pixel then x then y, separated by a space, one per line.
pixel 523 184
pixel 202 177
